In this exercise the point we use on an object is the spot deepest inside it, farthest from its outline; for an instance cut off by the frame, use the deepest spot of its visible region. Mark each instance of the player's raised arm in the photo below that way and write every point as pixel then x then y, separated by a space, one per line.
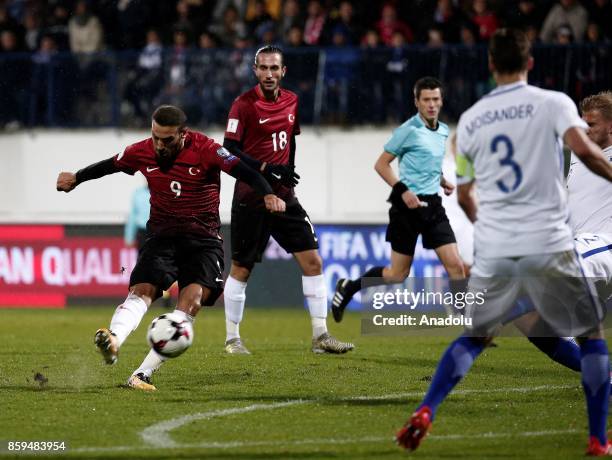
pixel 274 173
pixel 67 181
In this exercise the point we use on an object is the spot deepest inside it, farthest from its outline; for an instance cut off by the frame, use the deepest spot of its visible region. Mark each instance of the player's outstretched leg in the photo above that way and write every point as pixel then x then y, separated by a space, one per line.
pixel 126 318
pixel 234 296
pixel 453 366
pixel 141 377
pixel 107 344
pixel 415 429
pixel 346 289
pixel 315 293
pixel 595 365
pixel 563 350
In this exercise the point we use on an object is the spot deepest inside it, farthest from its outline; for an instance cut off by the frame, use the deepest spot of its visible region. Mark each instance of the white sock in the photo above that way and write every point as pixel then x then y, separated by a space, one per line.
pixel 186 316
pixel 315 293
pixel 319 326
pixel 234 296
pixel 232 330
pixel 153 360
pixel 127 317
pixel 151 363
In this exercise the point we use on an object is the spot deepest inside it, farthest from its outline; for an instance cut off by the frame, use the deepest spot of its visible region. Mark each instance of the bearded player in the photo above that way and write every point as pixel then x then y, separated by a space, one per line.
pixel 264 123
pixel 182 168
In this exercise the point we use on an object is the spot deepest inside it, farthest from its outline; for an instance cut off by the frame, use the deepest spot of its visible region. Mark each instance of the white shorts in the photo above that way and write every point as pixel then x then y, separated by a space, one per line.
pixel 596 253
pixel 555 283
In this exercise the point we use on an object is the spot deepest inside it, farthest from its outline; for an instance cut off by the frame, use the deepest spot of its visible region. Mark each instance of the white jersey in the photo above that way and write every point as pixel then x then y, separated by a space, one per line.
pixel 590 198
pixel 513 138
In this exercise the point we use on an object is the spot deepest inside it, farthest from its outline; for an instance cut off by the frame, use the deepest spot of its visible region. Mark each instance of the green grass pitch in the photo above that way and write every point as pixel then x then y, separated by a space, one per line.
pixel 282 401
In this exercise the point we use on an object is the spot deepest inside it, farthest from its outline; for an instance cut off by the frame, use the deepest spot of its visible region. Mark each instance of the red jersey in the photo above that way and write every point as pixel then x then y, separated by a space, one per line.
pixel 184 198
pixel 264 128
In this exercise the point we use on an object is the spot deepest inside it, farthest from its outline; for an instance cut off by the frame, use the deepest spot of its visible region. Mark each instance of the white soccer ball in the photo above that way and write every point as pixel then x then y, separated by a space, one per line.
pixel 170 335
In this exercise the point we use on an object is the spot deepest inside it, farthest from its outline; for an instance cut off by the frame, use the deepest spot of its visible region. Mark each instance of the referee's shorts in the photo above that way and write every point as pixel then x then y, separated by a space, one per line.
pixel 405 225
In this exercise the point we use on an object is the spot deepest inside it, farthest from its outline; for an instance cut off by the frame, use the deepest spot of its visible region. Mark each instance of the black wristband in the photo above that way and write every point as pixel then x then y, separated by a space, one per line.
pixel 396 193
pixel 399 188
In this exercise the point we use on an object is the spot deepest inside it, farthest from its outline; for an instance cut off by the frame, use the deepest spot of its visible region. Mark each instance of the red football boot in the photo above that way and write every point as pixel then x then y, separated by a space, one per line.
pixel 596 449
pixel 415 429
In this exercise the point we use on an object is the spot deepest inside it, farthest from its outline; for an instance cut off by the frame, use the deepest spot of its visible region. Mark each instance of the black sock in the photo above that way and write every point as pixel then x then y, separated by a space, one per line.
pixel 458 285
pixel 354 286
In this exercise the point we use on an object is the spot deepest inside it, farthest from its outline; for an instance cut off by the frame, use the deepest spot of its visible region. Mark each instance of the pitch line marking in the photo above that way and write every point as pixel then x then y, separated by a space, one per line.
pixel 323 441
pixel 157 435
pixel 459 392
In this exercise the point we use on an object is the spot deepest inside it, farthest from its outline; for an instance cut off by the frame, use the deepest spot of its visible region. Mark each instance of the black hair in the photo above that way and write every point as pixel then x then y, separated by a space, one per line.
pixel 509 50
pixel 169 115
pixel 427 83
pixel 269 49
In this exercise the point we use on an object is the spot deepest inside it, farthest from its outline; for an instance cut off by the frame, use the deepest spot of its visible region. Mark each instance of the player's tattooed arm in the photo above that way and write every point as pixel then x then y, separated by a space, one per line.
pixel 67 181
pixel 248 175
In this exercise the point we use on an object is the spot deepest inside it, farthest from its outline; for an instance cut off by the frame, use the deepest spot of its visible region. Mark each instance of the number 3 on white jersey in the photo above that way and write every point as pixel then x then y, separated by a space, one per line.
pixel 507 160
pixel 175 186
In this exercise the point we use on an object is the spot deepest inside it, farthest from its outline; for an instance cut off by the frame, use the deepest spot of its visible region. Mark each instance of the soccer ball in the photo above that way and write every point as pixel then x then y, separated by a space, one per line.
pixel 170 335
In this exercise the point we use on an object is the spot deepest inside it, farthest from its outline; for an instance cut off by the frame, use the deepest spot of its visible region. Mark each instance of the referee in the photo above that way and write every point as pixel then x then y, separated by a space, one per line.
pixel 416 206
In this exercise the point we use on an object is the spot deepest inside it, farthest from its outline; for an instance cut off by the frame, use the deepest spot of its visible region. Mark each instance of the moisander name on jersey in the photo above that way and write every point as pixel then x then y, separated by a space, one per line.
pixel 491 116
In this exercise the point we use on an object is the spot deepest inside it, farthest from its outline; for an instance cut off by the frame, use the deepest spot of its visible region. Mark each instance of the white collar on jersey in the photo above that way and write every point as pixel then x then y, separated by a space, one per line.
pixel 508 86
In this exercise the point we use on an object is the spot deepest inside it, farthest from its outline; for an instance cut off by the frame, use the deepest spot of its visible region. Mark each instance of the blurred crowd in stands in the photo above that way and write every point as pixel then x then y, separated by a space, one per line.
pixel 177 50
pixel 88 26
